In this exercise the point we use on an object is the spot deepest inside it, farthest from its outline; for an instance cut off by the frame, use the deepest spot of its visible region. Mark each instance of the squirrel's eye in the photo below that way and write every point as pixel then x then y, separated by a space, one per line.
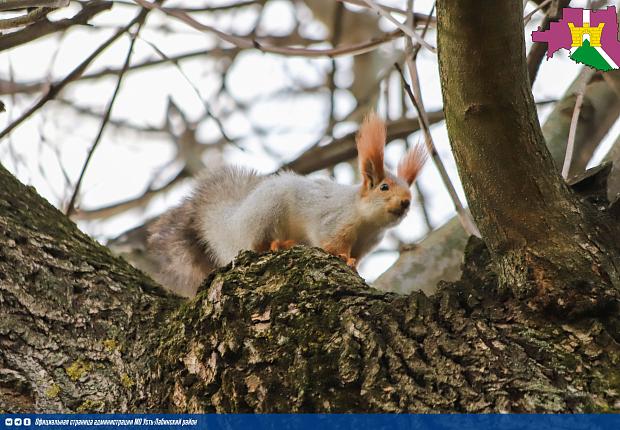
pixel 384 187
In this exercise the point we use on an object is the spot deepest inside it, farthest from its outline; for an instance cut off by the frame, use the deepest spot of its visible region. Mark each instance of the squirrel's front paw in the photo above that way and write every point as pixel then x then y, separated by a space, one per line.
pixel 276 245
pixel 351 262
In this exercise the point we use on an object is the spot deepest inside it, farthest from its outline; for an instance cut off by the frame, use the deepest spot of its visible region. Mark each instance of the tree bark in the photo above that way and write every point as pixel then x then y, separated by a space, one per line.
pixel 546 244
pixel 293 331
pixel 76 321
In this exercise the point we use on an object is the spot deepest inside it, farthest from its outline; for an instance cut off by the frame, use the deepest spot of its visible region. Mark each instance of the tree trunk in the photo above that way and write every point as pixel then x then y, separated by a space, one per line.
pixel 294 331
pixel 444 246
pixel 547 245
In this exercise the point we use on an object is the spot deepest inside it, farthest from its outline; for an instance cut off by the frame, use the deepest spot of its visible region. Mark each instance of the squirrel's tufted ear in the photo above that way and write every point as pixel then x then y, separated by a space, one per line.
pixel 411 164
pixel 370 143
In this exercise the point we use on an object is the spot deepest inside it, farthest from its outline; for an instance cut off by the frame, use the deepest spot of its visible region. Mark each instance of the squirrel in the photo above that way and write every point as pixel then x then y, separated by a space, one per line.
pixel 233 208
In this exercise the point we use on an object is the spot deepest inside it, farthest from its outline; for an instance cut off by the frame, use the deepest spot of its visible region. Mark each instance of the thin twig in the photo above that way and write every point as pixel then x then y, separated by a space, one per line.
pixel 32 87
pixel 242 42
pixel 235 5
pixel 570 146
pixel 464 217
pixel 55 89
pixel 105 119
pixel 206 106
pixel 422 204
pixel 363 4
pixel 408 30
pixel 119 123
pixel 527 18
pixel 140 201
pixel 418 16
pixel 416 47
pixel 331 82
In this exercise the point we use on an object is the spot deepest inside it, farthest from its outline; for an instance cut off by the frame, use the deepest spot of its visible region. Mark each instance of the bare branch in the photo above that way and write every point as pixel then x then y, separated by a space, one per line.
pixel 25 4
pixel 418 16
pixel 7 87
pixel 409 31
pixel 220 8
pixel 343 149
pixel 205 104
pixel 55 89
pixel 527 18
pixel 44 28
pixel 242 42
pixel 119 123
pixel 108 112
pixel 466 220
pixel 27 19
pixel 570 146
pixel 121 207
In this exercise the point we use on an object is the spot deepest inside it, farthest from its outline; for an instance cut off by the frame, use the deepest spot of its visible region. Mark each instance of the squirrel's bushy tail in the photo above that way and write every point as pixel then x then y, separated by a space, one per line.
pixel 225 184
pixel 177 238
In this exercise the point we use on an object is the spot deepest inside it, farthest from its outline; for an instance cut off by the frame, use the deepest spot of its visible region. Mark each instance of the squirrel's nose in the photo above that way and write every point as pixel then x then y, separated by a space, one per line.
pixel 404 204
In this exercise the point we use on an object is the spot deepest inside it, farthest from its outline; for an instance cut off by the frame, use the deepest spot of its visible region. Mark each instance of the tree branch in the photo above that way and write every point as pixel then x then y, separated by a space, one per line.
pixel 43 28
pixel 241 42
pixel 55 89
pixel 343 149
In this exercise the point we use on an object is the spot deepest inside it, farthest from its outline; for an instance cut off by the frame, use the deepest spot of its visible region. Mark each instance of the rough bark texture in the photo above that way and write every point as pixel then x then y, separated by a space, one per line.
pixel 546 244
pixel 75 321
pixel 297 331
pixel 290 331
pixel 613 184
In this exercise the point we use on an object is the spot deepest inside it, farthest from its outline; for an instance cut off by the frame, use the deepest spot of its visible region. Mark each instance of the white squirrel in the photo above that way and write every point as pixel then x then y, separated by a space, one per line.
pixel 232 209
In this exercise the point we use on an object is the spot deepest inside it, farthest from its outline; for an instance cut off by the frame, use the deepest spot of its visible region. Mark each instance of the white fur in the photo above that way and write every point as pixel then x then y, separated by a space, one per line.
pixel 292 207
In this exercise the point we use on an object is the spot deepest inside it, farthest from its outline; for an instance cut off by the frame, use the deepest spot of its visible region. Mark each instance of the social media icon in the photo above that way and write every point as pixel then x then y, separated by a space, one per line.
pixel 17 422
pixel 27 421
pixel 8 422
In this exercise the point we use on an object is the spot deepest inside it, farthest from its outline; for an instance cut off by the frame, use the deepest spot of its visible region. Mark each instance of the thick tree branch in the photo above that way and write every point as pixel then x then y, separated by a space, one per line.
pixel 294 331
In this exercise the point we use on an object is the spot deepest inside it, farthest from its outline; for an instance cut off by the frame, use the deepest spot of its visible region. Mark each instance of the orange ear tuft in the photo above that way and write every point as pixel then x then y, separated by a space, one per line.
pixel 411 164
pixel 370 143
